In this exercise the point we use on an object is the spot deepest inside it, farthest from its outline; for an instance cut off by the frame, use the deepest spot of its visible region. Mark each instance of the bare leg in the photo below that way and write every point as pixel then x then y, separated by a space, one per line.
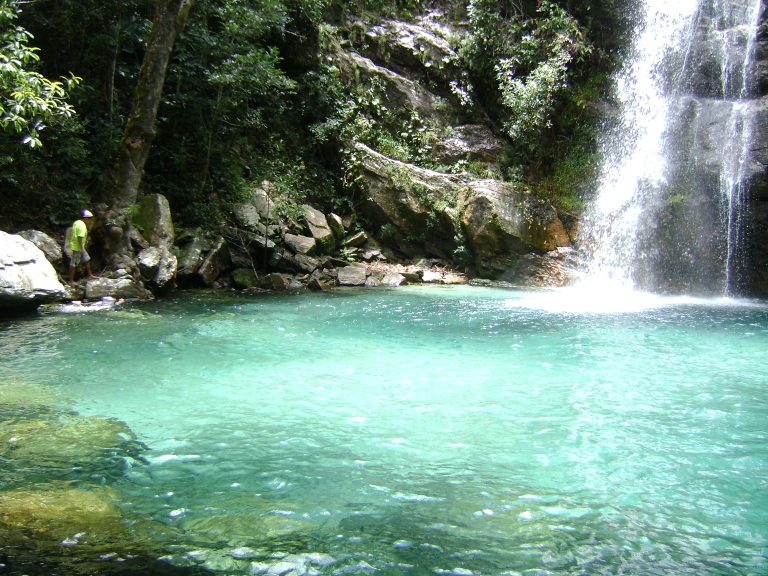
pixel 71 273
pixel 88 270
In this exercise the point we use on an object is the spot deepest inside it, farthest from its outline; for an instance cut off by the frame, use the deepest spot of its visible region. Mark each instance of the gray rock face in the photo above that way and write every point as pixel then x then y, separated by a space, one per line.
pixel 336 225
pixel 416 201
pixel 352 276
pixel 319 228
pixel 157 266
pixel 124 287
pixel 215 263
pixel 191 255
pixel 468 142
pixel 247 216
pixel 394 279
pixel 48 245
pixel 502 224
pixel 400 92
pixel 416 46
pixel 27 278
pixel 154 220
pixel 300 244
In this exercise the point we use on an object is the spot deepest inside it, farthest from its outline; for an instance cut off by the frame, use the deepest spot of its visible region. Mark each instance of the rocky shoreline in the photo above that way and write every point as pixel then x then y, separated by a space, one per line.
pixel 261 249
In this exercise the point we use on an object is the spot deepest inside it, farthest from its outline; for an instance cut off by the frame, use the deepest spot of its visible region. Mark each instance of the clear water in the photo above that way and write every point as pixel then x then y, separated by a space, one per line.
pixel 430 430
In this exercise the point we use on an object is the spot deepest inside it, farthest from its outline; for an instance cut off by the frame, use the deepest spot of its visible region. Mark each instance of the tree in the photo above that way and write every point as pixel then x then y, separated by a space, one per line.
pixel 28 100
pixel 169 20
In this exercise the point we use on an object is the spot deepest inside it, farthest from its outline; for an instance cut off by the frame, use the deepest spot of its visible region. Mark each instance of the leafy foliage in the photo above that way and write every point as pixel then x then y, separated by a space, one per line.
pixel 28 100
pixel 250 95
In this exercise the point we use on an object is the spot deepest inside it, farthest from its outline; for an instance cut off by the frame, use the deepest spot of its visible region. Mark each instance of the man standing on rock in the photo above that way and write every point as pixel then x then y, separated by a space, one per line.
pixel 78 240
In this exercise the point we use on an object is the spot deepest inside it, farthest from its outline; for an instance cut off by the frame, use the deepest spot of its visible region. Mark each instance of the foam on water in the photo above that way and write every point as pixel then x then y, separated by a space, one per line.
pixel 599 298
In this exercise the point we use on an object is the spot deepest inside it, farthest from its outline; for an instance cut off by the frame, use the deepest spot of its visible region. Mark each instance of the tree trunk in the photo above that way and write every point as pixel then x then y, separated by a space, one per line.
pixel 169 20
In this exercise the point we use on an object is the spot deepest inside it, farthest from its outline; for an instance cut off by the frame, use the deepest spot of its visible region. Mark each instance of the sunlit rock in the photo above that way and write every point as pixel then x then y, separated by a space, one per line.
pixel 190 254
pixel 352 276
pixel 48 245
pixel 503 223
pixel 356 240
pixel 157 266
pixel 399 91
pixel 300 244
pixel 418 204
pixel 125 287
pixel 215 263
pixel 62 517
pixel 318 226
pixel 394 279
pixel 27 278
pixel 337 226
pixel 468 142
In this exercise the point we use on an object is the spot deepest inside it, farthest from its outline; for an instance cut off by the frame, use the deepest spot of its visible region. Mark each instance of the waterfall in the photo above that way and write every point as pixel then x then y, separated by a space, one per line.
pixel 669 209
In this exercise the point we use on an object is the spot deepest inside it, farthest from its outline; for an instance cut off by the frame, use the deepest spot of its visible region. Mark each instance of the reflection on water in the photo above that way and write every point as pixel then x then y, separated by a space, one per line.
pixel 417 431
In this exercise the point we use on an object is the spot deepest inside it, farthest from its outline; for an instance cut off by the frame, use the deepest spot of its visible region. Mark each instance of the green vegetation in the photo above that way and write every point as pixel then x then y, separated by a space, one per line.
pixel 252 94
pixel 28 100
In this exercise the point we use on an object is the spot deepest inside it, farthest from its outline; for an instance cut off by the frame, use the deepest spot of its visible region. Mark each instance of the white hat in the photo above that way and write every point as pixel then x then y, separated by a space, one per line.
pixel 87 214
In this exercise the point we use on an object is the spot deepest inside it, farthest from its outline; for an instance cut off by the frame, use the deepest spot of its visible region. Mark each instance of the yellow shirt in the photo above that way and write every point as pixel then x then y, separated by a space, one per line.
pixel 79 230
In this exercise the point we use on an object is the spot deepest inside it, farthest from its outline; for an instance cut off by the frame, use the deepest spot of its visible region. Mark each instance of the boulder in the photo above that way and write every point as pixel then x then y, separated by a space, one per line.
pixel 356 240
pixel 282 282
pixel 245 278
pixel 394 279
pixel 319 228
pixel 247 216
pixel 352 276
pixel 300 244
pixel 503 223
pixel 48 245
pixel 27 278
pixel 157 266
pixel 432 277
pixel 215 264
pixel 418 203
pixel 125 287
pixel 264 205
pixel 468 142
pixel 153 219
pixel 299 262
pixel 337 226
pixel 191 255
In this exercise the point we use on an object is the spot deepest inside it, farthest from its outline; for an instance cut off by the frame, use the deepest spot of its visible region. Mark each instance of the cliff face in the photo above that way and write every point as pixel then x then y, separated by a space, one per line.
pixel 718 151
pixel 459 209
pixel 757 242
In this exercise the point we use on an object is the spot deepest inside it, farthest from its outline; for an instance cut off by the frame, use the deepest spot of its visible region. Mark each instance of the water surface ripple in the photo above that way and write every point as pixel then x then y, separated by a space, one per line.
pixel 427 430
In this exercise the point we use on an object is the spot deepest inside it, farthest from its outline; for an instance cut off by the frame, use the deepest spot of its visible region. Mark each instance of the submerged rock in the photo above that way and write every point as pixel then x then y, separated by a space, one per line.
pixel 22 399
pixel 69 442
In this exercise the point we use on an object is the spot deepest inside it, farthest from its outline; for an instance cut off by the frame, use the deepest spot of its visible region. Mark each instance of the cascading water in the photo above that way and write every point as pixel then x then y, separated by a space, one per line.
pixel 669 213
